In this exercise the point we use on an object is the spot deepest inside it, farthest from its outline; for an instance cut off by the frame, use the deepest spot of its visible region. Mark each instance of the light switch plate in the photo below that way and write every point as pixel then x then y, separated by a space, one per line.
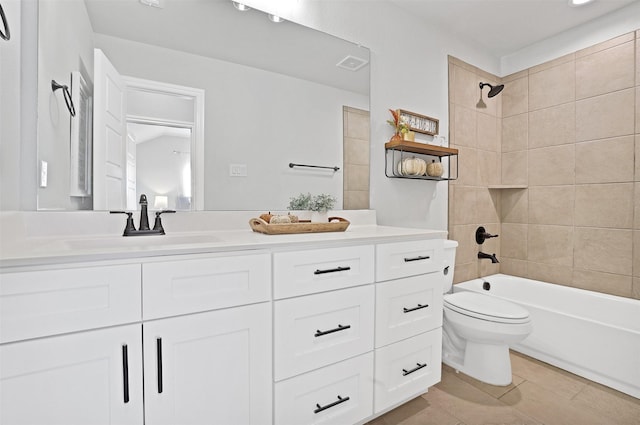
pixel 238 170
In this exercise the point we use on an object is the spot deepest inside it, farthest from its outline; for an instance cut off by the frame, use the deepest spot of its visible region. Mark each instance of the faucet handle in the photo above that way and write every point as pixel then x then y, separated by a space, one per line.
pixel 157 225
pixel 130 227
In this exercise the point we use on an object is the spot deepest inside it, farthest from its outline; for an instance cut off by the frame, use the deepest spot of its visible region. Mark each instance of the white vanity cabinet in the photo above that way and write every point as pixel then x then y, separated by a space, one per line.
pixel 78 342
pixel 408 341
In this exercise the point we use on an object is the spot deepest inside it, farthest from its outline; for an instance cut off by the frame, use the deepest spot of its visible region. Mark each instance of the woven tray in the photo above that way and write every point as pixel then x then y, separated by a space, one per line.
pixel 261 226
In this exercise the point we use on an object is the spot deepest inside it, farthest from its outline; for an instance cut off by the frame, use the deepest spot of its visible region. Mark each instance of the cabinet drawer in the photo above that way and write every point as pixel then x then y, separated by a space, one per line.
pixel 49 302
pixel 189 286
pixel 407 369
pixel 338 394
pixel 316 330
pixel 319 270
pixel 407 307
pixel 402 259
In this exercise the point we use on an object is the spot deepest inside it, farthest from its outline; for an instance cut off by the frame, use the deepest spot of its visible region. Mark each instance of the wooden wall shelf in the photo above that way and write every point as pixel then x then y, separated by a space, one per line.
pixel 399 150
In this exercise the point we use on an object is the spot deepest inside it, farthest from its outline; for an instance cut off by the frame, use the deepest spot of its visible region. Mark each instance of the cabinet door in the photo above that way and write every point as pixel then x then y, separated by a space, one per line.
pixel 212 368
pixel 91 377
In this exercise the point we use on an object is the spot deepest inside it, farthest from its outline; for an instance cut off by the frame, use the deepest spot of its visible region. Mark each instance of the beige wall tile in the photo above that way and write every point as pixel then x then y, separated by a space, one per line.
pixel 357 123
pixel 553 63
pixel 487 268
pixel 636 288
pixel 626 38
pixel 464 272
pixel 515 133
pixel 551 205
pixel 488 168
pixel 463 205
pixel 514 167
pixel 608 115
pixel 605 250
pixel 487 128
pixel 464 129
pixel 515 97
pixel 513 240
pixel 356 200
pixel 552 126
pixel 553 86
pixel 636 253
pixel 357 178
pixel 465 87
pixel 636 214
pixel 606 71
pixel 514 206
pixel 638 110
pixel 637 62
pixel 487 206
pixel 356 151
pixel 515 76
pixel 550 244
pixel 468 166
pixel 467 250
pixel 607 283
pixel 513 267
pixel 637 157
pixel 552 166
pixel 605 161
pixel 550 273
pixel 604 205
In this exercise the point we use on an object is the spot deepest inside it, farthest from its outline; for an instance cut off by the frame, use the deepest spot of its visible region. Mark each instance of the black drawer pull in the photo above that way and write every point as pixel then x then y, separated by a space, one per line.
pixel 159 354
pixel 330 331
pixel 337 269
pixel 125 372
pixel 418 258
pixel 419 307
pixel 330 405
pixel 406 372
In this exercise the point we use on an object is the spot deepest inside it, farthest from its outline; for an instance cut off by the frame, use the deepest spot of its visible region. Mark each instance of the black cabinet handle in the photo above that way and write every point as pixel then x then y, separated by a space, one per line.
pixel 159 354
pixel 125 372
pixel 330 331
pixel 418 258
pixel 6 35
pixel 406 372
pixel 330 405
pixel 337 269
pixel 419 307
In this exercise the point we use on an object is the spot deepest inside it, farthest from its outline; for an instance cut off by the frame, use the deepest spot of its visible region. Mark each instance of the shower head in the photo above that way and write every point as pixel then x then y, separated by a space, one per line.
pixel 493 90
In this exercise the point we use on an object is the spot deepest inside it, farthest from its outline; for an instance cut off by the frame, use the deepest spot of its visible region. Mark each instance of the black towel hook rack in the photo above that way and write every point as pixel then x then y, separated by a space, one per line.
pixel 6 34
pixel 67 96
pixel 291 165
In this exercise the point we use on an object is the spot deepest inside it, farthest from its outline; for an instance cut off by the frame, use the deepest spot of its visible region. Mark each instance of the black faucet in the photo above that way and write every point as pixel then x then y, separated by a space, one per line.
pixel 492 257
pixel 143 230
pixel 482 234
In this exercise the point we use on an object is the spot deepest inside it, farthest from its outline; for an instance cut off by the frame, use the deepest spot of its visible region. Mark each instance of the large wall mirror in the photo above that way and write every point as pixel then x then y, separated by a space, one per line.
pixel 272 94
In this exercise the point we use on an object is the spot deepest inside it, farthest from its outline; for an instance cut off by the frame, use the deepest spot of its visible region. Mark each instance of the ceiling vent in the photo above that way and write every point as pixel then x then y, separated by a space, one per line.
pixel 352 63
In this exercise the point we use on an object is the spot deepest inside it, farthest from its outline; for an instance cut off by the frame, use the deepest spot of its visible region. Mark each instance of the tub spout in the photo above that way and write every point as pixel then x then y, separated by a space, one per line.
pixel 492 257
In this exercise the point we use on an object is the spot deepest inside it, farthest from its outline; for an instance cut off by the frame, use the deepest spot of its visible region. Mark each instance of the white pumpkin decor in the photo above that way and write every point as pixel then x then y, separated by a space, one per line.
pixel 412 166
pixel 280 219
pixel 434 169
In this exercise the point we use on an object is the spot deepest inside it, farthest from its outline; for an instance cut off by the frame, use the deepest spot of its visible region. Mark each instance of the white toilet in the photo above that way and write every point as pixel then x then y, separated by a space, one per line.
pixel 478 328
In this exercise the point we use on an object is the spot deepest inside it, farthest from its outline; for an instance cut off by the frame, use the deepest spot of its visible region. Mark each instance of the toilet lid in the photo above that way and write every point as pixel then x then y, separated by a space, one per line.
pixel 486 307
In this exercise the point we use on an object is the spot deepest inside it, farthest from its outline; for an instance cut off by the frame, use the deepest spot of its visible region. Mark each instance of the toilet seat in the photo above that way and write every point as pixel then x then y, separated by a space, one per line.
pixel 485 307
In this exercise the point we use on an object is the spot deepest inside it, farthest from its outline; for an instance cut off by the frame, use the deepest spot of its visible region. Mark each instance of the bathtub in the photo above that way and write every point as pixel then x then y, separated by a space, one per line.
pixel 593 335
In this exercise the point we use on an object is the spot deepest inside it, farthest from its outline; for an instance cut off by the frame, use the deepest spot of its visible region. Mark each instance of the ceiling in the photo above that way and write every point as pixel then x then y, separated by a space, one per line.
pixel 503 27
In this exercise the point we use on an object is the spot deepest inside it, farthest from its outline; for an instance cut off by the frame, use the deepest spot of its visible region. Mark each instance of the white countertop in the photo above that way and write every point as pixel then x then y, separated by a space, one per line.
pixel 23 249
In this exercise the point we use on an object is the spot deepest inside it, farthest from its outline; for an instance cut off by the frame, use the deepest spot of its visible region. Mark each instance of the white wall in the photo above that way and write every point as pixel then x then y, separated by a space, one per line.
pixel 62 49
pixel 612 25
pixel 292 120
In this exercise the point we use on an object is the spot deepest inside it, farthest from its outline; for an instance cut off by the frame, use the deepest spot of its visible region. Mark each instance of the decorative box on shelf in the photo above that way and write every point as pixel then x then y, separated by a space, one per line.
pixel 397 151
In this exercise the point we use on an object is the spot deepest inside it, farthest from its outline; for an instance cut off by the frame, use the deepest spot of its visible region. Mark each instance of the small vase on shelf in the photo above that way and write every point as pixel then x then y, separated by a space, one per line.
pixel 396 138
pixel 319 216
pixel 409 136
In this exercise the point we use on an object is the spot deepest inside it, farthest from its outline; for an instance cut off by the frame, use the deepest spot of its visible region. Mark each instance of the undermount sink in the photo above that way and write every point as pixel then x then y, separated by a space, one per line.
pixel 139 241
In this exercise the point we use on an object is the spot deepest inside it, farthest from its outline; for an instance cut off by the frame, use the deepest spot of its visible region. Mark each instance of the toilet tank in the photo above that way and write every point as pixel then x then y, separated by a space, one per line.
pixel 449 263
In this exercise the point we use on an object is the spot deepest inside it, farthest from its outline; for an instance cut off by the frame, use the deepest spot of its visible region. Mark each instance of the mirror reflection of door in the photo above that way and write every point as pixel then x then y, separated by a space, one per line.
pixel 159 165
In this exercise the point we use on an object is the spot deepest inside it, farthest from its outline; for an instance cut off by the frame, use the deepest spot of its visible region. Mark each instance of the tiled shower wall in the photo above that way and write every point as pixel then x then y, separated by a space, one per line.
pixel 571 133
pixel 355 158
pixel 476 134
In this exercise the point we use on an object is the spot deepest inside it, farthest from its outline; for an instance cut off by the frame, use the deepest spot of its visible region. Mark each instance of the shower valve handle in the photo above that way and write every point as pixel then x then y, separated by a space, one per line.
pixel 482 234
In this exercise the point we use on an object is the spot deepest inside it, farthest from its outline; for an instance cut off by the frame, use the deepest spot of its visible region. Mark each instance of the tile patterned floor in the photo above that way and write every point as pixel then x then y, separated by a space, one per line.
pixel 539 395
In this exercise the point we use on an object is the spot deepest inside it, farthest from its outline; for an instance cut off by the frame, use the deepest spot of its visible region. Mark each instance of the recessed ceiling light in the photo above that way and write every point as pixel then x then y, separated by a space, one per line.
pixel 352 63
pixel 240 6
pixel 576 3
pixel 275 18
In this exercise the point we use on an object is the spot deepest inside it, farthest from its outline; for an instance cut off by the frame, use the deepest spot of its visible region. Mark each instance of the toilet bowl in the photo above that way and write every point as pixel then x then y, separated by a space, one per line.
pixel 478 328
